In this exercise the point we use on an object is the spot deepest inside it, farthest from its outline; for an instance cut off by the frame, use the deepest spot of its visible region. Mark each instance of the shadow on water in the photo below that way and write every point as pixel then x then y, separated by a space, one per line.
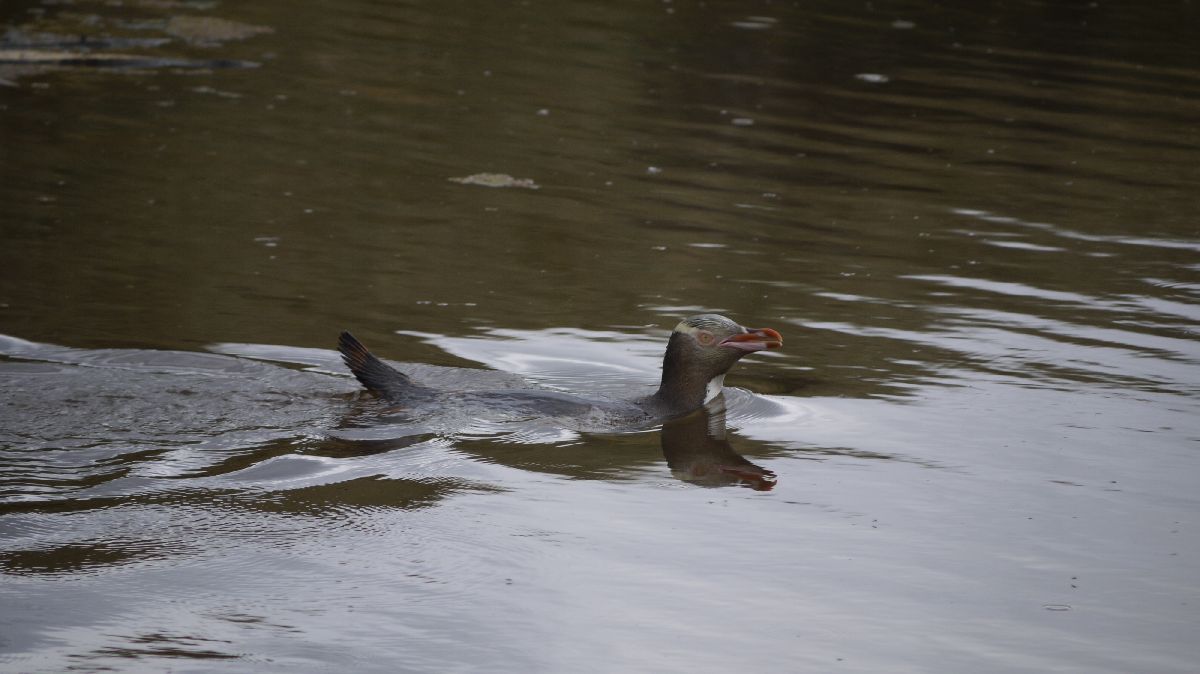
pixel 697 450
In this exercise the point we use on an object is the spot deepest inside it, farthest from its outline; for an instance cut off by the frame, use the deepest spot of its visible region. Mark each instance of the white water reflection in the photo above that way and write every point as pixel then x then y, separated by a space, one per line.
pixel 565 359
pixel 1067 233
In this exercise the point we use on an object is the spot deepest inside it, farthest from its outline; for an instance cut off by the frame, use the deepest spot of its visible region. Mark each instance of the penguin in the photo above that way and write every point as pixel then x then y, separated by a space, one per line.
pixel 699 353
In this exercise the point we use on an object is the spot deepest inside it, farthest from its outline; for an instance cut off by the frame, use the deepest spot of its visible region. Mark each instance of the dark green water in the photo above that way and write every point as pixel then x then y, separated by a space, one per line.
pixel 974 223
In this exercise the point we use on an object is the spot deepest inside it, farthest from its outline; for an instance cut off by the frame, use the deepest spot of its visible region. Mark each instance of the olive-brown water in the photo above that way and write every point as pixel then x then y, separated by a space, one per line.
pixel 974 223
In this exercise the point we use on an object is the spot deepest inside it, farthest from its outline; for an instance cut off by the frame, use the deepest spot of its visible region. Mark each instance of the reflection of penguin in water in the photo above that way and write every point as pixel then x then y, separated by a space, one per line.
pixel 698 452
pixel 700 351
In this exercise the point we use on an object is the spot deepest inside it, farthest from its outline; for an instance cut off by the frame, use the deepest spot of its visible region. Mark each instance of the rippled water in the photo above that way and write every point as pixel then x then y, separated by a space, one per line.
pixel 975 225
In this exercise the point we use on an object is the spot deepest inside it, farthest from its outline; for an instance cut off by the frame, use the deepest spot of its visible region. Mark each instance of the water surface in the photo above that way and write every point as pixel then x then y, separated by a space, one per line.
pixel 975 225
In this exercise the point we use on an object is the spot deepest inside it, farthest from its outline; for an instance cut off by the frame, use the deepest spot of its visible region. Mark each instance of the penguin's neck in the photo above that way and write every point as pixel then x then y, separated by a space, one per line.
pixel 683 388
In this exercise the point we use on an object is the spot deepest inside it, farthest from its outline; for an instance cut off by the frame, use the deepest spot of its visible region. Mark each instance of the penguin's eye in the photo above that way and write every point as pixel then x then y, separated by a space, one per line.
pixel 705 338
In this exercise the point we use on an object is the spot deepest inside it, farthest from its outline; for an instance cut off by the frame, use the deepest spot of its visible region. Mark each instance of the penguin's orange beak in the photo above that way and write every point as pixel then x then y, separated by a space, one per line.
pixel 754 339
